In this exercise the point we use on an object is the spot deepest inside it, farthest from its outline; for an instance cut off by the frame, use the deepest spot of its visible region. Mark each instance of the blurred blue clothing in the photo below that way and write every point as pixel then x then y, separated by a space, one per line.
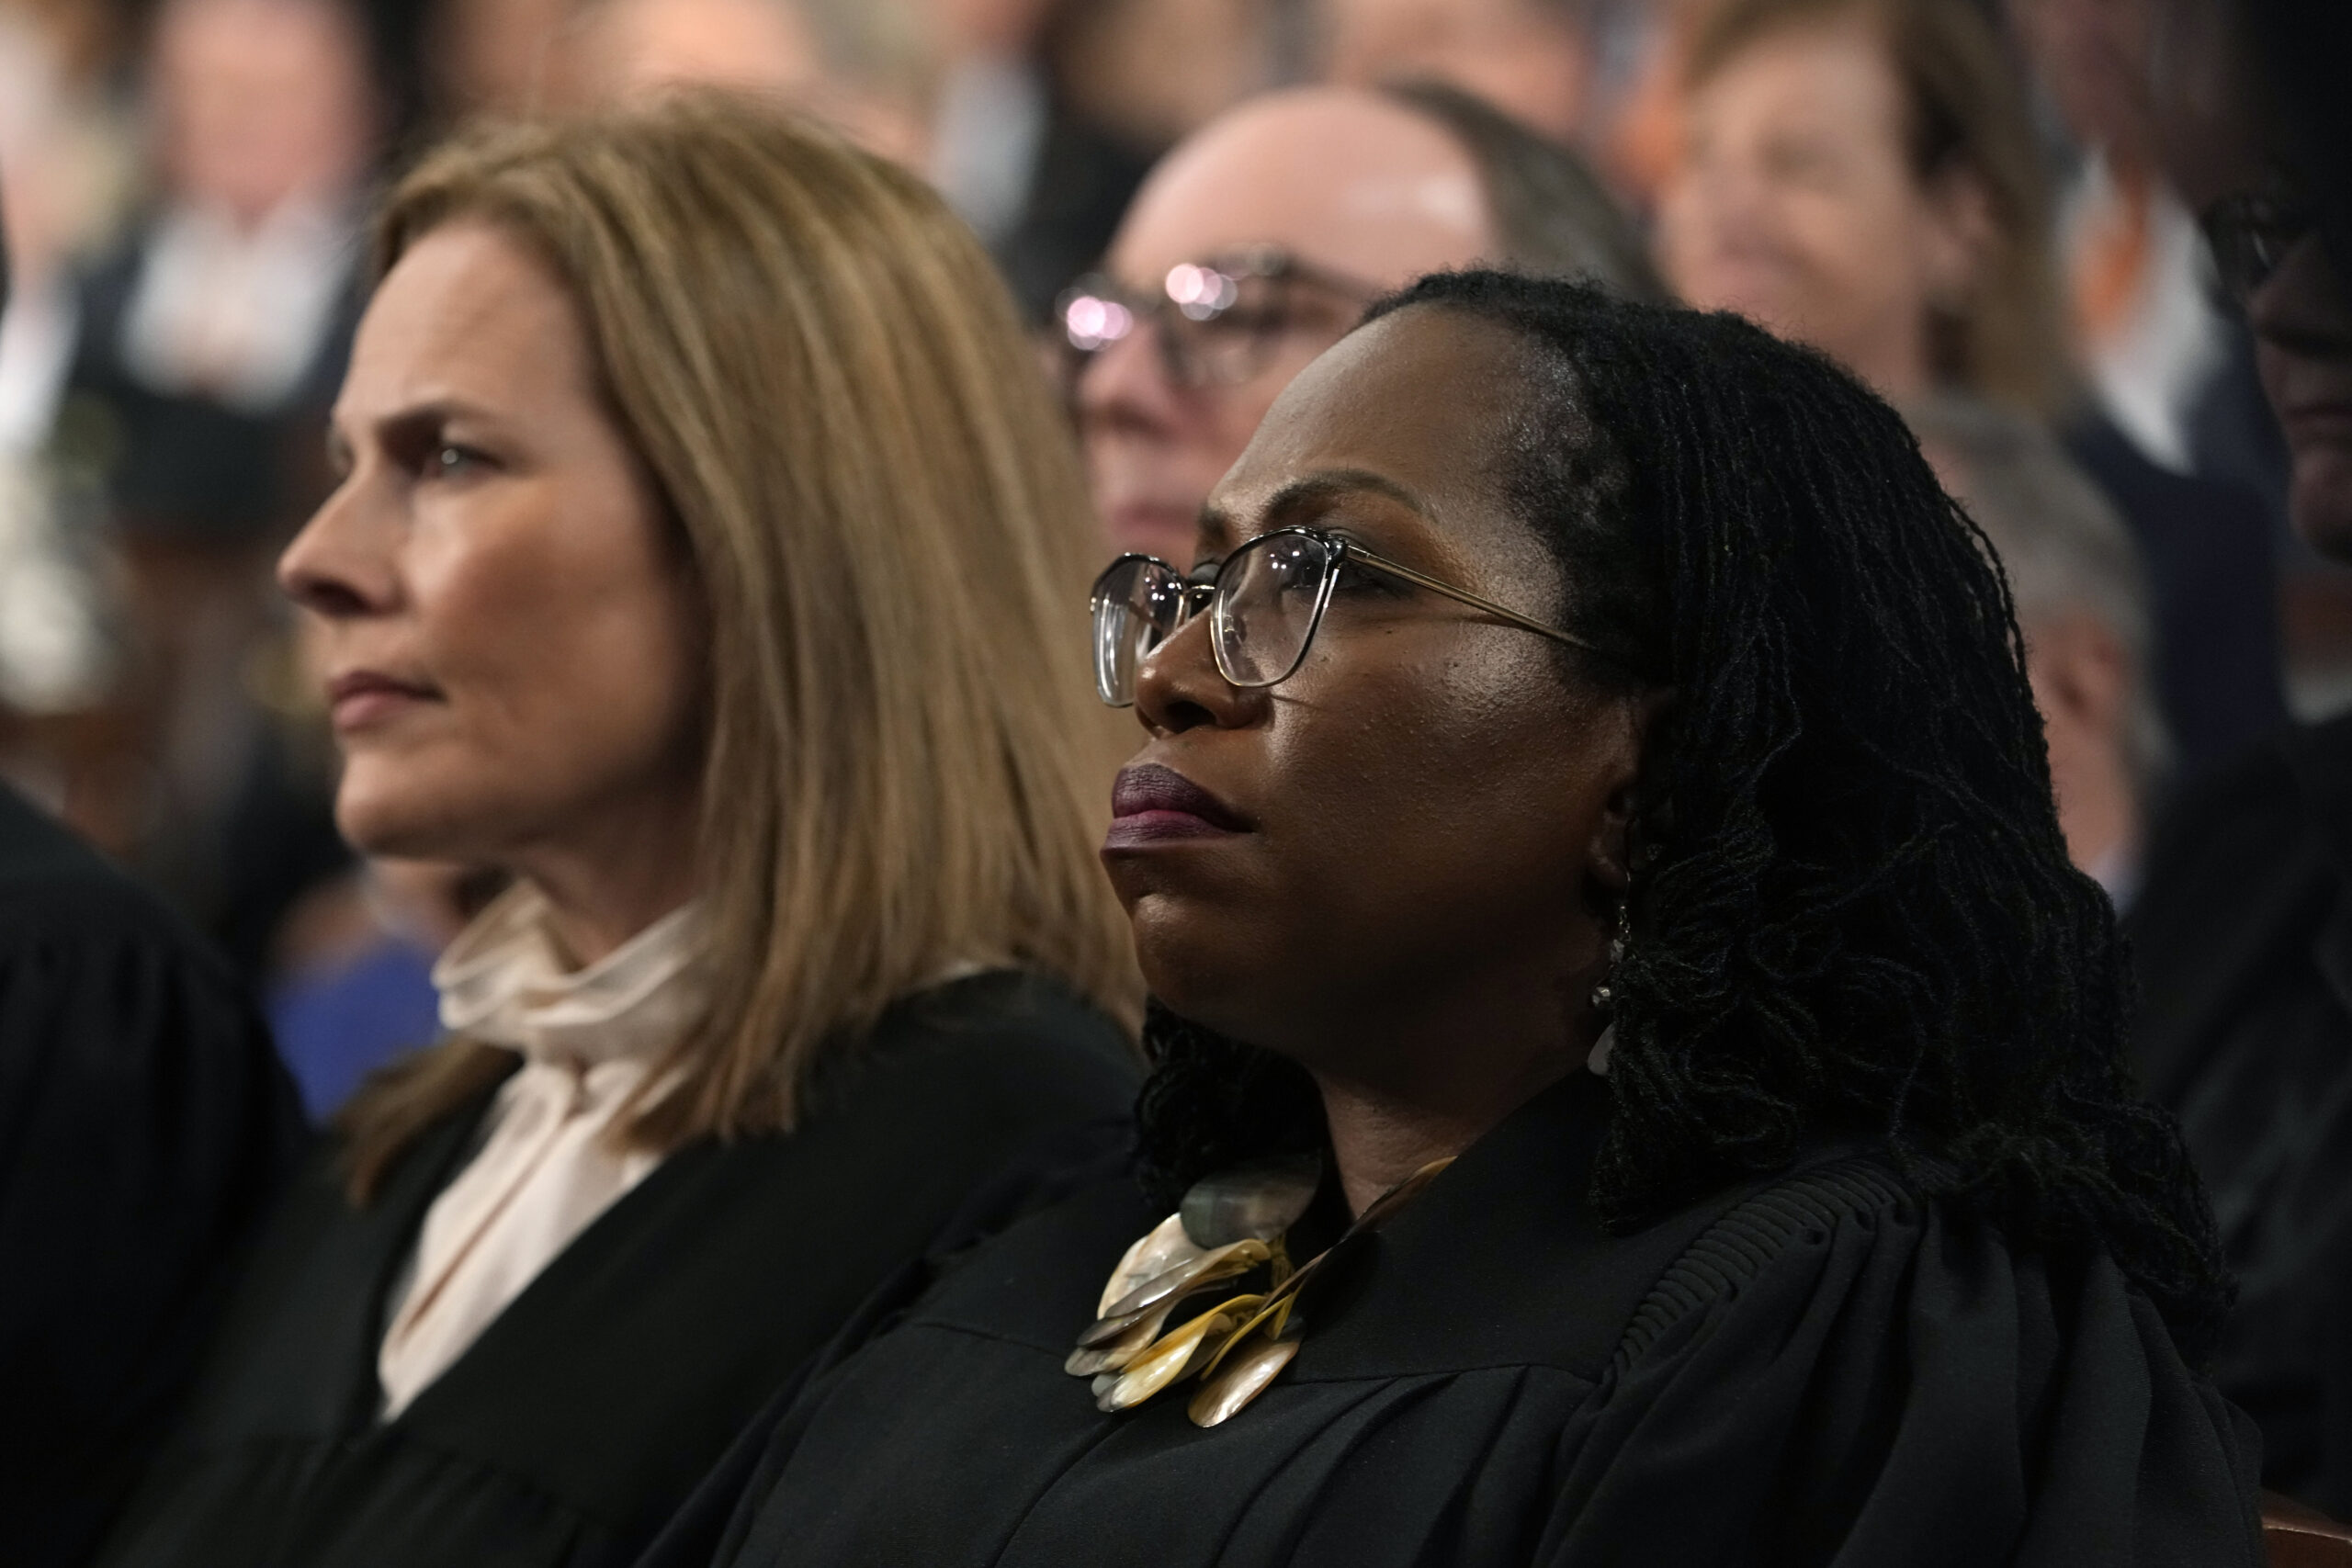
pixel 335 1025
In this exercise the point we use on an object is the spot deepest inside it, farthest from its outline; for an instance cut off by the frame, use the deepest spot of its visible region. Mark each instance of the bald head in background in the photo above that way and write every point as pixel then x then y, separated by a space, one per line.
pixel 1348 176
pixel 1358 187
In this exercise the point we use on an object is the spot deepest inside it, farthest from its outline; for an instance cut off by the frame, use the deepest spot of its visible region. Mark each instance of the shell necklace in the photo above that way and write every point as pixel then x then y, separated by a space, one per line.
pixel 1229 1225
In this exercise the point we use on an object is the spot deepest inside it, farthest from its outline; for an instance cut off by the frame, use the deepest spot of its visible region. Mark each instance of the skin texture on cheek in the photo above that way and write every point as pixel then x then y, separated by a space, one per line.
pixel 1431 809
pixel 497 552
pixel 1425 827
pixel 565 657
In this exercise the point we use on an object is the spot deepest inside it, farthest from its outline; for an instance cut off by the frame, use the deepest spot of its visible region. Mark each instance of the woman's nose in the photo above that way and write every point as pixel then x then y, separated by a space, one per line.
pixel 336 566
pixel 1178 687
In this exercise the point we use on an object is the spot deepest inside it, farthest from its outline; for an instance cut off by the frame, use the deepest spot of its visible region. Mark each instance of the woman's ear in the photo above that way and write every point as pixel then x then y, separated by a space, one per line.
pixel 1629 823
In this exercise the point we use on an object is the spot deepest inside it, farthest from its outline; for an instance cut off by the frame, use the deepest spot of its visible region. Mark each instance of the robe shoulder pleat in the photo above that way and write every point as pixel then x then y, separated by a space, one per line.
pixel 146 1128
pixel 1822 1367
pixel 592 1405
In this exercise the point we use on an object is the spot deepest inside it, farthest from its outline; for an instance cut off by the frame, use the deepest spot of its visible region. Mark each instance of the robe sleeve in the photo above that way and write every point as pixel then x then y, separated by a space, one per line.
pixel 1838 1374
pixel 711 1529
pixel 144 1125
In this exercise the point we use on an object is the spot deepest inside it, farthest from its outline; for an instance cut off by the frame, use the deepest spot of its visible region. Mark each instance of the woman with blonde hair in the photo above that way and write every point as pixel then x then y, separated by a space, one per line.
pixel 701 558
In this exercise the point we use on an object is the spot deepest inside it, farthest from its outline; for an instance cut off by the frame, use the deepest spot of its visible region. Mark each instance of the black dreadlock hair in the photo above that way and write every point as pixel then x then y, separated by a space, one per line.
pixel 1861 920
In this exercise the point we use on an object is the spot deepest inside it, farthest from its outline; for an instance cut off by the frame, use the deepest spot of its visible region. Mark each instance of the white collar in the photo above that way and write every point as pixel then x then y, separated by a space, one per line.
pixel 504 982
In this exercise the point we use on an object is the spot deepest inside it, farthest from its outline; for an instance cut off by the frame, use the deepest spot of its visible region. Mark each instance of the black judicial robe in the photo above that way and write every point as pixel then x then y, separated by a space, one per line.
pixel 2243 935
pixel 591 1406
pixel 1820 1369
pixel 145 1127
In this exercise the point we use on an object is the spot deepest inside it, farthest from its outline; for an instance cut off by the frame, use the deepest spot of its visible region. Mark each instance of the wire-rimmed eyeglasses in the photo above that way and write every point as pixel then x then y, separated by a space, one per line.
pixel 1265 604
pixel 2251 234
pixel 1215 322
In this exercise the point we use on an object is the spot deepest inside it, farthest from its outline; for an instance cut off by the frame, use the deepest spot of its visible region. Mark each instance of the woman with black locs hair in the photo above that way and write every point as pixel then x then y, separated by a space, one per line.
pixel 1713 1062
pixel 1918 962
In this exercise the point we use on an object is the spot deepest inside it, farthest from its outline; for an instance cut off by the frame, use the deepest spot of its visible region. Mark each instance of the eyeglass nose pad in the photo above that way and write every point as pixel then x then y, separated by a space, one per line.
pixel 1192 602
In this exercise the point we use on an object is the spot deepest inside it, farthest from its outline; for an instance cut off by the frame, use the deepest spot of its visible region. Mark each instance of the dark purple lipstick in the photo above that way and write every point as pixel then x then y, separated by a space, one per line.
pixel 1152 804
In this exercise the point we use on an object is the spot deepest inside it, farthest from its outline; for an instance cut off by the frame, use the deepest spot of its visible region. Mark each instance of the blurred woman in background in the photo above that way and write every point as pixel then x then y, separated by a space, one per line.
pixel 1860 175
pixel 701 559
pixel 1863 175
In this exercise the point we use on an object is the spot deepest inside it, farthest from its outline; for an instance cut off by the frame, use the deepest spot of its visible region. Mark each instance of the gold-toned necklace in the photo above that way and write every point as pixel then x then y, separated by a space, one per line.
pixel 1228 1226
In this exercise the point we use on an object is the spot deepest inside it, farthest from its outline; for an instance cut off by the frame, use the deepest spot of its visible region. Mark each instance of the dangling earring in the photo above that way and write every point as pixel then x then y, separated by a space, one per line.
pixel 1604 995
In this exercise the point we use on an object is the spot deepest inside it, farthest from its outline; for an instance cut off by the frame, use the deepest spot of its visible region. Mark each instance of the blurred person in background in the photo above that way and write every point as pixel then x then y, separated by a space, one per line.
pixel 90 35
pixel 2259 142
pixel 1531 59
pixel 2081 593
pixel 502 57
pixel 1038 177
pixel 1152 72
pixel 225 318
pixel 701 560
pixel 2244 927
pixel 1257 243
pixel 56 639
pixel 1640 142
pixel 352 984
pixel 1862 175
pixel 1035 119
pixel 145 1125
pixel 2156 343
pixel 1859 175
pixel 2170 362
pixel 60 182
pixel 208 347
pixel 865 65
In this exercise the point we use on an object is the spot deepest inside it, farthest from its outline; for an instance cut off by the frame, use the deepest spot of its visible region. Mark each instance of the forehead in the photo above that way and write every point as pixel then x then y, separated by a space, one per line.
pixel 201 34
pixel 1807 77
pixel 468 310
pixel 1342 178
pixel 1419 20
pixel 649 42
pixel 1427 399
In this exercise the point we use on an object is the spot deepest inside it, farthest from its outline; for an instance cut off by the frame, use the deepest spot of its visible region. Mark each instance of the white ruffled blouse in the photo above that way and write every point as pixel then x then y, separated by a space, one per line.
pixel 546 1167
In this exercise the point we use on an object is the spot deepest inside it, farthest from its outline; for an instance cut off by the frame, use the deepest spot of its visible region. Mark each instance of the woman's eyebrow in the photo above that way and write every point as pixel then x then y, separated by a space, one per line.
pixel 1214 532
pixel 1316 490
pixel 1304 496
pixel 430 414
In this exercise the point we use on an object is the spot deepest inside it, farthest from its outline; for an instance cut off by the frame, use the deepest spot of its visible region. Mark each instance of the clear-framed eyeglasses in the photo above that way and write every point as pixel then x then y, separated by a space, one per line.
pixel 1219 322
pixel 1265 601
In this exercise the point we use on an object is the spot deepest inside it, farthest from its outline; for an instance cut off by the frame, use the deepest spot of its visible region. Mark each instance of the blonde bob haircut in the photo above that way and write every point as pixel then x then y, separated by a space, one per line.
pixel 905 769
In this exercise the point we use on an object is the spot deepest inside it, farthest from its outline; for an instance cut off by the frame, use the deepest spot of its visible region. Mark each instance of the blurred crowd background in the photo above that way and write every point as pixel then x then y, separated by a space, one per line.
pixel 185 184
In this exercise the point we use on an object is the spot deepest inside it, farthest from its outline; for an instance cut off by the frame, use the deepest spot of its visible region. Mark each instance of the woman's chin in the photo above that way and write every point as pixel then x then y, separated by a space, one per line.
pixel 1209 985
pixel 394 825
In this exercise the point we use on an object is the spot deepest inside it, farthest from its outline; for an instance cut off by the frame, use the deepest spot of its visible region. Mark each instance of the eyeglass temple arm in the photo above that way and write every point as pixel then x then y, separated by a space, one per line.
pixel 1464 596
